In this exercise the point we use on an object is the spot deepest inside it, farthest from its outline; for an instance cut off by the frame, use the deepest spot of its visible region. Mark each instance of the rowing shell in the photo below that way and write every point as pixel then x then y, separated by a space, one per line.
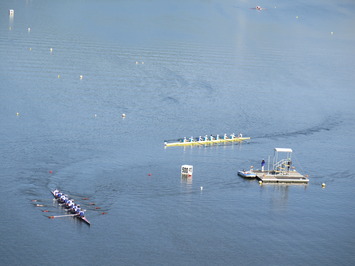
pixel 205 142
pixel 76 216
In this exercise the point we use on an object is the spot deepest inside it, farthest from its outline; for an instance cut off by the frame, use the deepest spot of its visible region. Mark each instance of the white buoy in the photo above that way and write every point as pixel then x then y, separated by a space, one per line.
pixel 142 63
pixel 296 16
pixel 29 29
pixel 51 50
pixel 323 185
pixel 95 115
pixel 59 76
pixel 81 77
pixel 17 113
pixel 11 12
pixel 137 62
pixel 123 115
pixel 260 182
pixel 30 49
pixel 201 188
pixel 331 33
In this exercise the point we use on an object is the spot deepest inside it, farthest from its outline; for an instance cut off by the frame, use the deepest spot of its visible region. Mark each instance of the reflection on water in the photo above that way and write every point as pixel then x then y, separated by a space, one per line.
pixel 278 194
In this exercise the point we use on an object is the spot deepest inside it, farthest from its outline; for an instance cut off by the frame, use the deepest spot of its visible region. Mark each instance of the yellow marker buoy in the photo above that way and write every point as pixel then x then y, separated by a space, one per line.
pixel 260 182
pixel 323 185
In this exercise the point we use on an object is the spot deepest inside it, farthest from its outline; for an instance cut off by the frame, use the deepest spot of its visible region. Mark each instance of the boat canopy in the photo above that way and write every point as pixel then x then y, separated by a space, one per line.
pixel 283 150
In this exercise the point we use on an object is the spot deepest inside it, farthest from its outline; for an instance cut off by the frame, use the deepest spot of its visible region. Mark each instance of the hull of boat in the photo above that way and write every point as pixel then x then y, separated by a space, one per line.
pixel 246 174
pixel 205 142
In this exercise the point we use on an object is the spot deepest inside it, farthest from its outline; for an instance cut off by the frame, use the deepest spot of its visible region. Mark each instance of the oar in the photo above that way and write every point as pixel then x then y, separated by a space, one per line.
pixel 59 216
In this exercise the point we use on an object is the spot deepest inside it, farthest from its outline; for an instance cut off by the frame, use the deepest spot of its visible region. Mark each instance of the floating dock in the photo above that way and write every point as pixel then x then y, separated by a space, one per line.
pixel 285 177
pixel 281 170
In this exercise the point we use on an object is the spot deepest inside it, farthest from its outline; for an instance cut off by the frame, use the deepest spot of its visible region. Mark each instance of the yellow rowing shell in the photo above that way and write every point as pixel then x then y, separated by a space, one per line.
pixel 205 142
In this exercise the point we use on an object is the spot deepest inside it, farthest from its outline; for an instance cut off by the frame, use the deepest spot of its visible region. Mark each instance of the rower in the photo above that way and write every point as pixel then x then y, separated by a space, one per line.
pixel 191 139
pixel 211 137
pixel 240 135
pixel 55 192
pixel 217 137
pixel 206 138
pixel 81 213
pixel 78 209
pixel 199 138
pixel 225 136
pixel 232 136
pixel 59 194
pixel 184 139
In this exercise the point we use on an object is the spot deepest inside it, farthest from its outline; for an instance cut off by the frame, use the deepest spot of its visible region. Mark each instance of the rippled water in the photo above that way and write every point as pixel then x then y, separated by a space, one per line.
pixel 283 76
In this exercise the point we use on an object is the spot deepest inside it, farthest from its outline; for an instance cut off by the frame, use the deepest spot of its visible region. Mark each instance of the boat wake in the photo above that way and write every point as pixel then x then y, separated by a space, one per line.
pixel 327 125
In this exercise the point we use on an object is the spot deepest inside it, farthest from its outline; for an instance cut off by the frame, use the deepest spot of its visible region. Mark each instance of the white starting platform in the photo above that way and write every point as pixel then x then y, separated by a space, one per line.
pixel 282 170
pixel 274 177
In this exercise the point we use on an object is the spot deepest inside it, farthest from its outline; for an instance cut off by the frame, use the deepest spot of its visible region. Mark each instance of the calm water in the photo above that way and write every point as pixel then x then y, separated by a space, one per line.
pixel 283 76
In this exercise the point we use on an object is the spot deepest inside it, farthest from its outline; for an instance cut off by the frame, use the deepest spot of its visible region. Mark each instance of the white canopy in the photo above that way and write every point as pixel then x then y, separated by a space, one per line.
pixel 283 150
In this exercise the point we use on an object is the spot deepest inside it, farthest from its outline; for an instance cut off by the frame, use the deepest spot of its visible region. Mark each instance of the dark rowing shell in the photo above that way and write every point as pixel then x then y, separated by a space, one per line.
pixel 77 216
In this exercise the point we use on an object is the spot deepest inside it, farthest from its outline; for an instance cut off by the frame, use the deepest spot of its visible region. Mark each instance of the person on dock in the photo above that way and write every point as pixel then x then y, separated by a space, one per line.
pixel 262 165
pixel 289 164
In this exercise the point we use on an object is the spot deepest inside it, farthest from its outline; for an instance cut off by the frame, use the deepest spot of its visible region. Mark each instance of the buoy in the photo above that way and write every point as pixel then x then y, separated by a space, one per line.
pixel 45 211
pixel 97 208
pixel 137 62
pixel 201 188
pixel 149 174
pixel 59 76
pixel 29 29
pixel 81 76
pixel 11 12
pixel 260 182
pixel 323 185
pixel 331 33
pixel 50 171
pixel 30 49
pixel 123 115
pixel 51 49
pixel 142 63
pixel 296 16
pixel 95 115
pixel 104 213
pixel 17 113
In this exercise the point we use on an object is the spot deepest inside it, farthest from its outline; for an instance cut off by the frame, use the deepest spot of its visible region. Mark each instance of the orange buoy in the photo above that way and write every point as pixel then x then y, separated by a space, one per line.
pixel 97 208
pixel 50 171
pixel 104 213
